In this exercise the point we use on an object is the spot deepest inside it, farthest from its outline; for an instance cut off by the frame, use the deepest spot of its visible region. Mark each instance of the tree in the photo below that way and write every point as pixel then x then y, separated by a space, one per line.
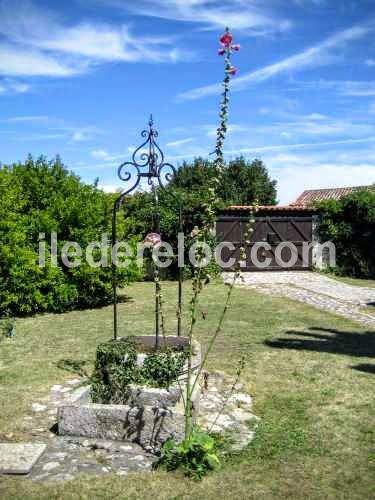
pixel 44 197
pixel 243 181
pixel 350 224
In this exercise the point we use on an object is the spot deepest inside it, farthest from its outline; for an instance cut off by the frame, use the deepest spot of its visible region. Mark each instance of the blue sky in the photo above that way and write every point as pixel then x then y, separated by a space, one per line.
pixel 80 78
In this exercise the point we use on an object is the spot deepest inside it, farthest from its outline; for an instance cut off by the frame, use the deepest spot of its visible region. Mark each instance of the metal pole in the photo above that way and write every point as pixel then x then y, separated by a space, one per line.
pixel 180 278
pixel 114 271
pixel 156 272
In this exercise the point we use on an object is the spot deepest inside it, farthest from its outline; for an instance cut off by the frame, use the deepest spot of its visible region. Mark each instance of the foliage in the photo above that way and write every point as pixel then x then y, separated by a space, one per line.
pixel 116 367
pixel 7 327
pixel 162 368
pixel 44 197
pixel 350 224
pixel 242 182
pixel 245 183
pixel 195 455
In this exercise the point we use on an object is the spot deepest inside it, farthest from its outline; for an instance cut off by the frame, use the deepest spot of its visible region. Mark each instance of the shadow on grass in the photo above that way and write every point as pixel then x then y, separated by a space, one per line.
pixel 364 367
pixel 124 299
pixel 328 340
pixel 75 366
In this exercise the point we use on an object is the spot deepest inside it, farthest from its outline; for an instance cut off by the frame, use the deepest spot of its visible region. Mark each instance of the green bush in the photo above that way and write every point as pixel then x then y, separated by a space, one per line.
pixel 350 224
pixel 116 367
pixel 44 197
pixel 195 455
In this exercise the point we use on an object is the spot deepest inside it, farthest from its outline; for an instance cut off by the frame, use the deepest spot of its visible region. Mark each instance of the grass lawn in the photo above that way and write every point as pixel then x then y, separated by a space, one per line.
pixel 352 281
pixel 311 375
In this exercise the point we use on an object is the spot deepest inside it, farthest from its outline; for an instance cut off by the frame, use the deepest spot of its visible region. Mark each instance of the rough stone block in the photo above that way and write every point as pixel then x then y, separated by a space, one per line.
pixel 148 426
pixel 19 458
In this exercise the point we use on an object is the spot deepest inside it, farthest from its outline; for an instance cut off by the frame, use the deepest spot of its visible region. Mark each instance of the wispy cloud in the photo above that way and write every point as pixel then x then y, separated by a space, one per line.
pixel 39 137
pixel 26 119
pixel 36 43
pixel 8 86
pixel 17 61
pixel 40 127
pixel 319 54
pixel 101 154
pixel 306 145
pixel 350 88
pixel 370 62
pixel 243 14
pixel 83 134
pixel 181 142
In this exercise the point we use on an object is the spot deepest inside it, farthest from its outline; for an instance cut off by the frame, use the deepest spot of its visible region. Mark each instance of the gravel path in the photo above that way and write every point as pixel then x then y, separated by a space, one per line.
pixel 313 289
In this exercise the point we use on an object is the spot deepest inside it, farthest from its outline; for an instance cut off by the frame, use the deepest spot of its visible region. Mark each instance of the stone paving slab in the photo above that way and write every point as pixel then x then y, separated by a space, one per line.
pixel 19 458
pixel 313 289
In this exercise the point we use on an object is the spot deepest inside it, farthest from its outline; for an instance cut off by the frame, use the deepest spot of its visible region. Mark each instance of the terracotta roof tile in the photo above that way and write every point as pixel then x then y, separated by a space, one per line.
pixel 268 207
pixel 315 195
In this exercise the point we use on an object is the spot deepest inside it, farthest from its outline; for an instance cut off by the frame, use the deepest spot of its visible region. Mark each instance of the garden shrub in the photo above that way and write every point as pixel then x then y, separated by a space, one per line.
pixel 44 197
pixel 116 367
pixel 195 455
pixel 350 224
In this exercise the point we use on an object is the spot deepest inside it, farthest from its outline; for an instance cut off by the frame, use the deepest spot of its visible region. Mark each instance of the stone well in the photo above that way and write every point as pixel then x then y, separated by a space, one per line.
pixel 149 418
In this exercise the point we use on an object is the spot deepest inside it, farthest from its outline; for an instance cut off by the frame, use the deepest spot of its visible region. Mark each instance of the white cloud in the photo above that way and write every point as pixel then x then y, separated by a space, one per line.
pixel 243 14
pixel 36 43
pixel 46 127
pixel 108 43
pixel 101 154
pixel 303 145
pixel 295 173
pixel 26 119
pixel 83 134
pixel 13 87
pixel 16 61
pixel 370 62
pixel 319 54
pixel 40 137
pixel 350 88
pixel 181 142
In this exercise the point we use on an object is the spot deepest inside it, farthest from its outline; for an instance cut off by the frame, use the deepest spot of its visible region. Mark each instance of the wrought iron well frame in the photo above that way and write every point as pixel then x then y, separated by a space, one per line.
pixel 147 162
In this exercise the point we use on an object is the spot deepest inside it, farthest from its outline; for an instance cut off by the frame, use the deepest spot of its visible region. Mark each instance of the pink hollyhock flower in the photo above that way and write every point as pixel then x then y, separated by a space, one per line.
pixel 152 239
pixel 226 39
pixel 232 70
pixel 236 47
pixel 221 52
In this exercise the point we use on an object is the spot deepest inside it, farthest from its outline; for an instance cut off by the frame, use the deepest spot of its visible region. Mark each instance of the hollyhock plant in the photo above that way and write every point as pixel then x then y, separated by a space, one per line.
pixel 226 50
